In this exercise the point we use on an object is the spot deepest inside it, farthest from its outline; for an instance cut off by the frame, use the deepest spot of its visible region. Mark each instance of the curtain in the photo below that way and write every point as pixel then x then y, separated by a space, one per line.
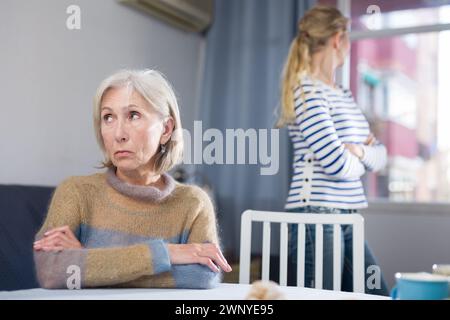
pixel 245 51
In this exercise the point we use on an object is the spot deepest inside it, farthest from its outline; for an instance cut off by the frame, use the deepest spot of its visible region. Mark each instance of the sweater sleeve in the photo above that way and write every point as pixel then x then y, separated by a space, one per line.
pixel 317 127
pixel 99 266
pixel 375 157
pixel 203 230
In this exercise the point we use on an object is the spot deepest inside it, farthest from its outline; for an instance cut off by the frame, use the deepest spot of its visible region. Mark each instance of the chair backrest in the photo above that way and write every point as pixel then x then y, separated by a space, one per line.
pixel 285 218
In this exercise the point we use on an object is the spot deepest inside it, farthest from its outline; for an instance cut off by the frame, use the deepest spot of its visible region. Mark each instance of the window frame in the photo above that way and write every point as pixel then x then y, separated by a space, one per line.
pixel 343 77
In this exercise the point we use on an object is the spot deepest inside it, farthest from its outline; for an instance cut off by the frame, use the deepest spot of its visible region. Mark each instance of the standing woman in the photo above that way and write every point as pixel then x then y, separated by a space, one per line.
pixel 333 145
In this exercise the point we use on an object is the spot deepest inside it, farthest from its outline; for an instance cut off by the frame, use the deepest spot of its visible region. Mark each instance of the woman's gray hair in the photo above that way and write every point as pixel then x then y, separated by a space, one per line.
pixel 158 92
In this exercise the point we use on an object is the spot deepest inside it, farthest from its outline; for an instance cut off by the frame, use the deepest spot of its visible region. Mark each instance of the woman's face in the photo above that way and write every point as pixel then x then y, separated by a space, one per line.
pixel 132 131
pixel 343 47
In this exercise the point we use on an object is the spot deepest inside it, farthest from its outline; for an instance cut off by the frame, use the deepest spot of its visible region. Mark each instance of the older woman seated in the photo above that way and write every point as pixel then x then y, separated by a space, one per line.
pixel 133 225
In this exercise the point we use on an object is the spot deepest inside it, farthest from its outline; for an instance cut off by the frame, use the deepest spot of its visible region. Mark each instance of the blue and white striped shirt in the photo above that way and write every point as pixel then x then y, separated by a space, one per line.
pixel 325 172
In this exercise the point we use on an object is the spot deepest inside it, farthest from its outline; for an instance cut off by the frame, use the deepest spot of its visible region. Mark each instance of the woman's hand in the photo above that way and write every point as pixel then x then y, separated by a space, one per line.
pixel 208 254
pixel 58 239
pixel 371 140
pixel 355 149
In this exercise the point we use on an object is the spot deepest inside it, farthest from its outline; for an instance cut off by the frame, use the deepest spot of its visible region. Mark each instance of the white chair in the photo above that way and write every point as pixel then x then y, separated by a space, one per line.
pixel 285 218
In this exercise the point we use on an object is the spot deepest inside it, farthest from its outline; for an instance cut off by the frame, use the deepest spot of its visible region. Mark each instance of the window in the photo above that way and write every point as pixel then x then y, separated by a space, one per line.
pixel 400 84
pixel 399 75
pixel 388 14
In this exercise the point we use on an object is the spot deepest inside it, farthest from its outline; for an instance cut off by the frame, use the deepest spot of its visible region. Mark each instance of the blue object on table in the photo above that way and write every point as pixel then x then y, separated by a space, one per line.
pixel 420 286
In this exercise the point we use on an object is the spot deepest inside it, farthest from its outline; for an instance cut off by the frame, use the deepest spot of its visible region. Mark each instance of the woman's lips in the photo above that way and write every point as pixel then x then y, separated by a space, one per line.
pixel 123 153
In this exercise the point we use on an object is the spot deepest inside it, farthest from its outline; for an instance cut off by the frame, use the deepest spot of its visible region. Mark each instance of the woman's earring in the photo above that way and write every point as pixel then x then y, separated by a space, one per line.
pixel 163 148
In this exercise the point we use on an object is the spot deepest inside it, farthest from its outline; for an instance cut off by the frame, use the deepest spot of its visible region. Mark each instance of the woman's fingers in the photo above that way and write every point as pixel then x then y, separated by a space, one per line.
pixel 53 248
pixel 58 238
pixel 51 238
pixel 222 263
pixel 355 149
pixel 349 147
pixel 46 240
pixel 208 254
pixel 225 260
pixel 63 229
pixel 55 240
pixel 370 140
pixel 220 260
pixel 213 252
pixel 53 235
pixel 55 245
pixel 208 262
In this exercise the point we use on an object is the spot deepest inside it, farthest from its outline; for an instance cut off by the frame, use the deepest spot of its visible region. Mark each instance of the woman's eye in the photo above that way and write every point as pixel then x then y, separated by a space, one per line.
pixel 134 115
pixel 107 118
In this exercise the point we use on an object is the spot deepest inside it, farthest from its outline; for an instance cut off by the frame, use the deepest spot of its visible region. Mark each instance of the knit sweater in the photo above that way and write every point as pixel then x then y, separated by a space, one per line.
pixel 124 230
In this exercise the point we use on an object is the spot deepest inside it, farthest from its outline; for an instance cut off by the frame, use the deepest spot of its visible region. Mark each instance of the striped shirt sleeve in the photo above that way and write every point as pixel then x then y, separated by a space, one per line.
pixel 317 127
pixel 375 157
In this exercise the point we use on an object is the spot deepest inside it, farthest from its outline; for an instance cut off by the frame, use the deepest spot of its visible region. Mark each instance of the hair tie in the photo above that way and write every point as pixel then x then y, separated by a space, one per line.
pixel 305 34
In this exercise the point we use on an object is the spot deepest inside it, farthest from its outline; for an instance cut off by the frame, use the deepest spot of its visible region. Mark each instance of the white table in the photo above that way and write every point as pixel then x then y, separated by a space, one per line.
pixel 225 291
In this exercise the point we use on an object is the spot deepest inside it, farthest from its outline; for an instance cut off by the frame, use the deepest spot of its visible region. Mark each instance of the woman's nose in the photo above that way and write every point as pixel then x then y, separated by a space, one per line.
pixel 121 133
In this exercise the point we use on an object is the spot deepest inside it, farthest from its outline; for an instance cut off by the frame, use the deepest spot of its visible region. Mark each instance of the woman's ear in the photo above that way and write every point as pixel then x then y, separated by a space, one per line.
pixel 336 40
pixel 169 125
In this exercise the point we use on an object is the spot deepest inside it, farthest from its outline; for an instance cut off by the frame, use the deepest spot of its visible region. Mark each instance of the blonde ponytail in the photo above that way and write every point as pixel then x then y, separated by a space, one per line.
pixel 317 26
pixel 298 62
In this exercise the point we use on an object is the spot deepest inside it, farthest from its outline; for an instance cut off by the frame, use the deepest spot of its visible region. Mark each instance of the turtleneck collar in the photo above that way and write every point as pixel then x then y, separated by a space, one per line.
pixel 143 193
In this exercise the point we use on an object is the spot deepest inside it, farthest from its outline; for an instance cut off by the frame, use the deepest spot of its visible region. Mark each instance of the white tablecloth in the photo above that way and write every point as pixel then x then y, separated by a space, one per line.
pixel 225 291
